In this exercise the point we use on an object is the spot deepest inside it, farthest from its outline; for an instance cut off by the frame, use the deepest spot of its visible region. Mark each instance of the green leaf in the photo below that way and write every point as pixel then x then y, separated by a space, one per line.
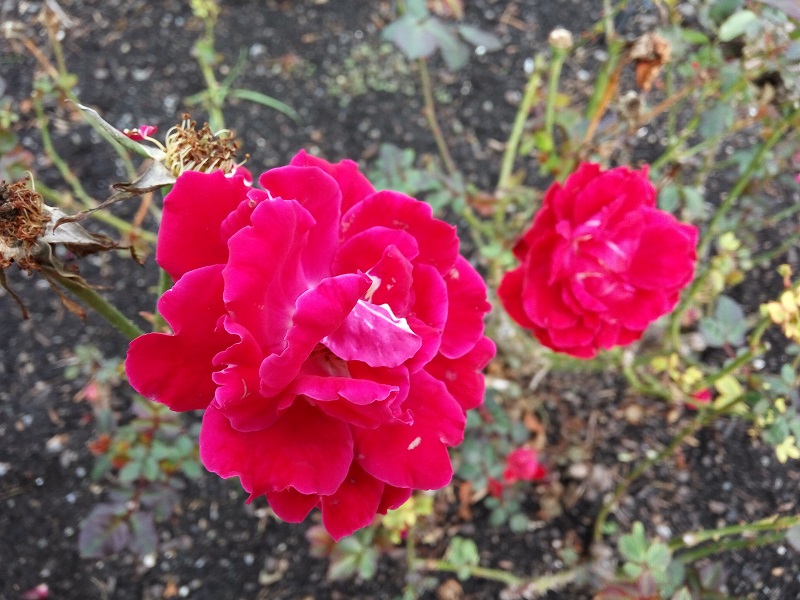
pixel 716 120
pixel 633 546
pixel 478 37
pixel 739 23
pixel 518 523
pixel 264 100
pixel 368 563
pixel 462 552
pixel 712 331
pixel 454 52
pixel 417 9
pixel 130 472
pixel 730 316
pixel 668 198
pixel 692 36
pixel 658 557
pixel 409 35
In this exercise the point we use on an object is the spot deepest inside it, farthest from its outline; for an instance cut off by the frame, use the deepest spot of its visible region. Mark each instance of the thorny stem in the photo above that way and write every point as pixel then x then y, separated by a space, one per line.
pixel 703 418
pixel 430 115
pixel 100 305
pixel 773 523
pixel 512 147
pixel 729 545
pixel 540 584
pixel 60 74
pixel 605 87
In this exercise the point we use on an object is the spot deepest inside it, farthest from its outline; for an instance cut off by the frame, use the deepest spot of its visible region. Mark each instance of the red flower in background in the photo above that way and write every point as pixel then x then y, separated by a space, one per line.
pixel 599 263
pixel 333 335
pixel 523 464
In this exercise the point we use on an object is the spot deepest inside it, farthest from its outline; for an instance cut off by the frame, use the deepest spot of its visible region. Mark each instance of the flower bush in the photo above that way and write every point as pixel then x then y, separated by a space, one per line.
pixel 599 263
pixel 332 334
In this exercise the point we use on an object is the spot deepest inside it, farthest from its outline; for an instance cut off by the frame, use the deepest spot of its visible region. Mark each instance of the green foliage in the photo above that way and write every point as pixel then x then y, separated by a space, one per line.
pixel 463 554
pixel 727 326
pixel 419 34
pixel 394 170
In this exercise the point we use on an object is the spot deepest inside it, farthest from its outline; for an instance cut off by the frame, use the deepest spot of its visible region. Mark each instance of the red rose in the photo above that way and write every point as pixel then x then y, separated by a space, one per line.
pixel 523 464
pixel 599 263
pixel 333 335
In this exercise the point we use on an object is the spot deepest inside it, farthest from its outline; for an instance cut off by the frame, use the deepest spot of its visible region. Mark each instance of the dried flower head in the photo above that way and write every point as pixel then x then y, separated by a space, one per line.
pixel 29 234
pixel 22 223
pixel 650 52
pixel 190 149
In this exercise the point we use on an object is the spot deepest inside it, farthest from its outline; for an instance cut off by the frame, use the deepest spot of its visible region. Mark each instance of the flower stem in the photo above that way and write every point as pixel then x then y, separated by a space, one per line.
pixel 702 419
pixel 430 115
pixel 743 181
pixel 512 147
pixel 100 305
pixel 559 56
pixel 773 523
pixel 536 585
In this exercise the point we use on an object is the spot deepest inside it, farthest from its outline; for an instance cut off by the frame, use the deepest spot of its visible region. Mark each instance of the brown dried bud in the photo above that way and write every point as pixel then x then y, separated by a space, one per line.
pixel 560 39
pixel 650 52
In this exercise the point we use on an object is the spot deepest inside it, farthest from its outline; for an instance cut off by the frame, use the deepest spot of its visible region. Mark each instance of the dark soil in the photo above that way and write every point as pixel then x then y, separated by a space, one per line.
pixel 133 63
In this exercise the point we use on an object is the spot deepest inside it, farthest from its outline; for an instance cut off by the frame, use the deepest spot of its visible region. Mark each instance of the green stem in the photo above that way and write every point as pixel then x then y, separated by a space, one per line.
pixel 95 301
pixel 729 545
pixel 702 419
pixel 719 215
pixel 774 523
pixel 430 115
pixel 743 181
pixel 512 147
pixel 536 585
pixel 559 56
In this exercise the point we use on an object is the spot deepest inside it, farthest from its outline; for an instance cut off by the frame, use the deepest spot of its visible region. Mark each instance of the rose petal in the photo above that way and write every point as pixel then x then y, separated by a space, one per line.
pixel 354 505
pixel 304 449
pixel 374 335
pixel 189 234
pixel 355 187
pixel 415 455
pixel 176 370
pixel 466 292
pixel 319 312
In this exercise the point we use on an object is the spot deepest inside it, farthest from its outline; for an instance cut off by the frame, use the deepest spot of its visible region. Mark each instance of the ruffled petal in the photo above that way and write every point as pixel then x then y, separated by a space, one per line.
pixel 354 505
pixel 177 370
pixel 319 312
pixel 463 376
pixel 355 187
pixel 189 234
pixel 304 449
pixel 438 242
pixel 318 193
pixel 374 335
pixel 292 506
pixel 415 455
pixel 466 292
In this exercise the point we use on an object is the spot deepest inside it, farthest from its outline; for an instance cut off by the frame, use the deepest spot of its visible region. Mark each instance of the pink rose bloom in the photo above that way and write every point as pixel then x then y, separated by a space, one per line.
pixel 523 465
pixel 599 263
pixel 333 334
